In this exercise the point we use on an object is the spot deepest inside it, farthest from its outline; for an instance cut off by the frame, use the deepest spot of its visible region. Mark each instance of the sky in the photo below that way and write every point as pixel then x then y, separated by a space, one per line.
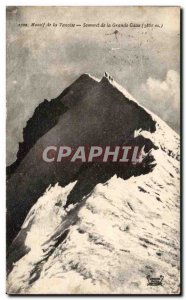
pixel 42 60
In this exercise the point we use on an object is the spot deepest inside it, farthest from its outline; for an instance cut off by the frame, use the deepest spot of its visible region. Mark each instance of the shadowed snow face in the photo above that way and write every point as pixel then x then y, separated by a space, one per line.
pixel 97 113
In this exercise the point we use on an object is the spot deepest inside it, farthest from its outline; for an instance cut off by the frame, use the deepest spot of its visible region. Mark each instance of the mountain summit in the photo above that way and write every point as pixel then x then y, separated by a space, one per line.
pixel 93 221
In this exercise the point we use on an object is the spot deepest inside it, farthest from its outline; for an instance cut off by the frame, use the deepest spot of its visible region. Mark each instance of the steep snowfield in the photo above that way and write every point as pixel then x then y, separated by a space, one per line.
pixel 125 230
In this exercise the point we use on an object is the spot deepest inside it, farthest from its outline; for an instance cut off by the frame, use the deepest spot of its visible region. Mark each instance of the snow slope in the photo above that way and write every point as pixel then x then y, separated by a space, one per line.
pixel 124 231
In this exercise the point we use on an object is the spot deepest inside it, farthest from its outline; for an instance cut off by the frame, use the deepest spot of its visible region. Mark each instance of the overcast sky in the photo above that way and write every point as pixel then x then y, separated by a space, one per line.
pixel 42 61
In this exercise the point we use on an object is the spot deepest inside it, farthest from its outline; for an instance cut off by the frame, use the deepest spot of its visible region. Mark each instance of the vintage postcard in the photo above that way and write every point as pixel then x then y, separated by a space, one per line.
pixel 93 150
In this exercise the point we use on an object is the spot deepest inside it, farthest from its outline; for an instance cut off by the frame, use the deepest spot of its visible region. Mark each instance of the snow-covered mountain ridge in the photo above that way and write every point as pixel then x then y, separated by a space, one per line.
pixel 123 228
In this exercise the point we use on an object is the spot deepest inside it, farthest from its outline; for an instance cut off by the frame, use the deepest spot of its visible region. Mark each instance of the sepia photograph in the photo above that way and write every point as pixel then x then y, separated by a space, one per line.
pixel 93 134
